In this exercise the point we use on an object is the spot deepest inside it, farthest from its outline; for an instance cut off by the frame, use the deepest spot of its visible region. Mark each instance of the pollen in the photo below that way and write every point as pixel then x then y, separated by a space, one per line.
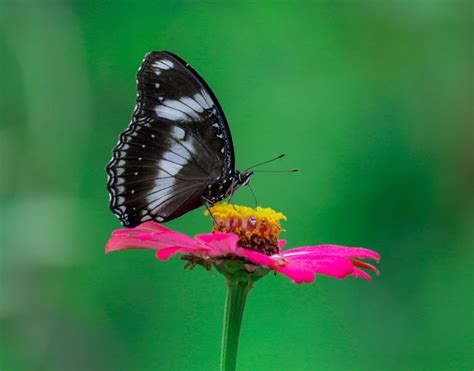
pixel 258 228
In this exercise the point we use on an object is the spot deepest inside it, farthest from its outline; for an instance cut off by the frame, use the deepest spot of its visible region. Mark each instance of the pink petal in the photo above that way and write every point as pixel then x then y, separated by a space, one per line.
pixel 164 254
pixel 124 242
pixel 330 265
pixel 257 257
pixel 219 244
pixel 365 265
pixel 362 274
pixel 348 252
pixel 147 227
pixel 142 238
pixel 302 268
pixel 153 226
pixel 297 274
pixel 281 244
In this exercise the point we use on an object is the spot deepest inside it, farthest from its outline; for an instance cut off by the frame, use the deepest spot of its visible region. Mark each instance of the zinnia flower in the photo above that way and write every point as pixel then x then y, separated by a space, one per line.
pixel 244 246
pixel 247 239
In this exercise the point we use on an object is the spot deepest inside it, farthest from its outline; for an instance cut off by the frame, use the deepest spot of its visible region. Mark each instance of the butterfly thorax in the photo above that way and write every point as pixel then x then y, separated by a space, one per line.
pixel 225 186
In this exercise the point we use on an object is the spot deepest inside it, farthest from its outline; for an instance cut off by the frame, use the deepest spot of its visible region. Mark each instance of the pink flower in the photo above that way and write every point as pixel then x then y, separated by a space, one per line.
pixel 242 241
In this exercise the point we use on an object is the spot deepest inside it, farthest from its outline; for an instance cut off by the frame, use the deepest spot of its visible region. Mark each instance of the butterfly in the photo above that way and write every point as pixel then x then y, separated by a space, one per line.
pixel 177 152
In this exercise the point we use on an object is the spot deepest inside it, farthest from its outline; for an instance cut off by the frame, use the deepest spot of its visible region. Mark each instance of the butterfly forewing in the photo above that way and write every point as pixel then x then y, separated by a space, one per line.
pixel 177 144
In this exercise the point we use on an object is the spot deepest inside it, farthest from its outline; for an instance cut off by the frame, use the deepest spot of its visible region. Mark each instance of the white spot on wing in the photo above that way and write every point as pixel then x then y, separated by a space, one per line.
pixel 179 106
pixel 207 98
pixel 161 65
pixel 170 113
pixel 168 63
pixel 177 155
pixel 200 98
pixel 191 103
pixel 178 133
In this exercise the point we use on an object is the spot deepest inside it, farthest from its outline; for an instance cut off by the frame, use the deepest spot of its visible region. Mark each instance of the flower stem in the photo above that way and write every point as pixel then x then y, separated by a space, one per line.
pixel 237 291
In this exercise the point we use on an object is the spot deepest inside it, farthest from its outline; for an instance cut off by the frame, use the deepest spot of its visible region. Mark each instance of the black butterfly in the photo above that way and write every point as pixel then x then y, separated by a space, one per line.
pixel 177 153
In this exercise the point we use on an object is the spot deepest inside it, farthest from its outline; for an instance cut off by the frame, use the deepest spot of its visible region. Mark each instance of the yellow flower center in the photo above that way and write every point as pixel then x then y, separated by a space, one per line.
pixel 258 228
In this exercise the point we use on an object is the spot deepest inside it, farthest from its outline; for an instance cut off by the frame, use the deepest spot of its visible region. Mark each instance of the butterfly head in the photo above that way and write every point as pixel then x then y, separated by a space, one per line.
pixel 238 179
pixel 243 178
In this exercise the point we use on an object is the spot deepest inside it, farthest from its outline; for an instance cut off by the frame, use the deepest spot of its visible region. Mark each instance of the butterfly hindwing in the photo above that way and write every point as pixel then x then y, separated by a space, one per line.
pixel 177 144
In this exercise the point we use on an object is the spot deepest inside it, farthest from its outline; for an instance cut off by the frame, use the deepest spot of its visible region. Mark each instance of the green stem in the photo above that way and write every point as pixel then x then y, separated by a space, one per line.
pixel 237 291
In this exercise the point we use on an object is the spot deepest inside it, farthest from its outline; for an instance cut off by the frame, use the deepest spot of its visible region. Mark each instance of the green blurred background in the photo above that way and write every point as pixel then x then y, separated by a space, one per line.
pixel 372 100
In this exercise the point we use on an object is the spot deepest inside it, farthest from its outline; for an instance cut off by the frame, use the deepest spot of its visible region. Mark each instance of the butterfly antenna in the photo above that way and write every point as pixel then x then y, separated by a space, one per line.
pixel 253 194
pixel 277 171
pixel 266 162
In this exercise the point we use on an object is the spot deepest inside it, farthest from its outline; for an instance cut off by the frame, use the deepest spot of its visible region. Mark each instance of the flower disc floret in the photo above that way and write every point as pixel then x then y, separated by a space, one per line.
pixel 258 229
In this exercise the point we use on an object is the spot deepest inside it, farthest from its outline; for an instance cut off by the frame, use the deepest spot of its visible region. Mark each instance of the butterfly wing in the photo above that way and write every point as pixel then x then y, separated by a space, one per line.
pixel 177 144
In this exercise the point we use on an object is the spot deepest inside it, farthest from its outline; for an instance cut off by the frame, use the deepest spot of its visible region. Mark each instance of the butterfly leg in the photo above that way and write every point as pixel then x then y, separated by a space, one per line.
pixel 232 191
pixel 207 203
pixel 253 194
